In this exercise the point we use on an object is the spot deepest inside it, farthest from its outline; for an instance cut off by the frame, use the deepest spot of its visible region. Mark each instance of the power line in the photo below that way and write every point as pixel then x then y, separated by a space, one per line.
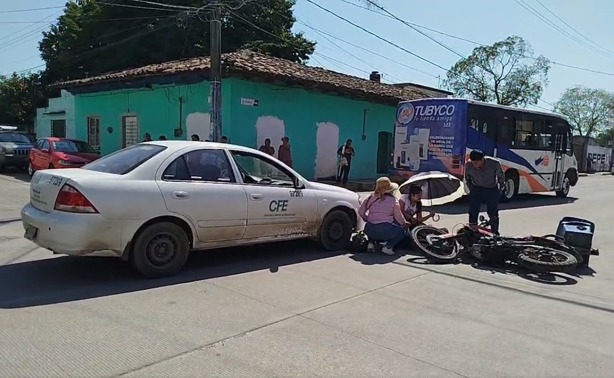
pixel 249 23
pixel 172 6
pixel 572 28
pixel 28 27
pixel 412 24
pixel 99 20
pixel 375 35
pixel 374 4
pixel 538 14
pixel 29 10
pixel 352 55
pixel 136 6
pixel 364 49
pixel 483 45
pixel 402 21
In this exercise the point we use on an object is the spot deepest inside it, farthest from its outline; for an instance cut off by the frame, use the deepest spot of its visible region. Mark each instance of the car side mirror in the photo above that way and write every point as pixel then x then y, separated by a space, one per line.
pixel 482 218
pixel 45 150
pixel 298 184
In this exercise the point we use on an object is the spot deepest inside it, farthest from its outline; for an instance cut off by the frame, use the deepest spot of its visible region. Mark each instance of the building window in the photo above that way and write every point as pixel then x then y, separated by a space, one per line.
pixel 58 128
pixel 130 131
pixel 93 132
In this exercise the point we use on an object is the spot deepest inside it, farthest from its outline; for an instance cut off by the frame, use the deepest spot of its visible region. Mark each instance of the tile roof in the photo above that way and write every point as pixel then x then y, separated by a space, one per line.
pixel 250 64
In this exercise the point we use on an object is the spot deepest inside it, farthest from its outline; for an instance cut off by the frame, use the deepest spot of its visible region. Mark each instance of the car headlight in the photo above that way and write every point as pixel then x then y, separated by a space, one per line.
pixel 64 162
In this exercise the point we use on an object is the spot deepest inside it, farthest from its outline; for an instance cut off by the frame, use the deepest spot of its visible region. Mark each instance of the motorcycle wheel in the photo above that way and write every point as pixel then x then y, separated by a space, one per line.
pixel 556 242
pixel 440 251
pixel 546 260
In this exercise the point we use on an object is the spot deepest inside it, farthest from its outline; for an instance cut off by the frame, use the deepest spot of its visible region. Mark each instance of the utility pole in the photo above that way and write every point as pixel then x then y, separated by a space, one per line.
pixel 216 71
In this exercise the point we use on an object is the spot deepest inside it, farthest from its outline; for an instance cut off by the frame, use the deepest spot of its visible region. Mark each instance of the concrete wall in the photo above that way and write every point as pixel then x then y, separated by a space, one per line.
pixel 59 108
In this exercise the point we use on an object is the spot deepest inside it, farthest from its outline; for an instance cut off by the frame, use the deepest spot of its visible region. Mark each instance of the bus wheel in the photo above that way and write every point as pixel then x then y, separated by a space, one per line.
pixel 511 186
pixel 565 189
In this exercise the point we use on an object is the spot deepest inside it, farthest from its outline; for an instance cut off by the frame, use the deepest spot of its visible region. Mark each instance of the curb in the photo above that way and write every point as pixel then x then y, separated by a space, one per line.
pixel 9 220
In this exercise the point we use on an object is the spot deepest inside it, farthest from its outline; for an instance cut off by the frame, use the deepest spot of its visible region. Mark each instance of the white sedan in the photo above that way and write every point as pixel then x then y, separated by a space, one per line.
pixel 152 203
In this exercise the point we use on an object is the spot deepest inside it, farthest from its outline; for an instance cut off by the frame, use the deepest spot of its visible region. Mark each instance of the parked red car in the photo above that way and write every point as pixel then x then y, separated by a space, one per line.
pixel 49 153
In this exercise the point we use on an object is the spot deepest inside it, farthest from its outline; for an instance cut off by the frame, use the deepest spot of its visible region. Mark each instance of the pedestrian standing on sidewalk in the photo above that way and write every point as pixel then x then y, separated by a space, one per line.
pixel 485 180
pixel 385 223
pixel 346 153
pixel 284 153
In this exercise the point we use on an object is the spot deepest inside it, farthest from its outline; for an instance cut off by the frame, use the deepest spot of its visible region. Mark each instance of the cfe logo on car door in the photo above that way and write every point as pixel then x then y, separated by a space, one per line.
pixel 278 206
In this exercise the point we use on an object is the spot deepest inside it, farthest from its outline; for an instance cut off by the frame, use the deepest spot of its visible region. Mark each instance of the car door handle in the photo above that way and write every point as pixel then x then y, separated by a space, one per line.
pixel 256 197
pixel 180 195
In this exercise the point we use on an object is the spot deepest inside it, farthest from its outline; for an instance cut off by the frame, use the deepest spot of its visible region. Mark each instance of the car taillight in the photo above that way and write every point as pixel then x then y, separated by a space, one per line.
pixel 71 200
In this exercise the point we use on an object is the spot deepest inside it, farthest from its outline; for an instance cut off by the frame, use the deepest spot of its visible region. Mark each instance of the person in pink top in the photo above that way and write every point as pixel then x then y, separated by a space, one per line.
pixel 382 214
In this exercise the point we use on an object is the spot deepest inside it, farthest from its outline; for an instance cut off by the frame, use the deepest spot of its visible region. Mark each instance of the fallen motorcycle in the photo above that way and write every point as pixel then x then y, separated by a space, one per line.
pixel 542 254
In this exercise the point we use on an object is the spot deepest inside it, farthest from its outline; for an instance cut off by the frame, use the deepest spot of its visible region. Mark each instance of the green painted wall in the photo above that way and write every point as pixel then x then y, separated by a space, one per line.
pixel 157 111
pixel 301 111
pixel 295 111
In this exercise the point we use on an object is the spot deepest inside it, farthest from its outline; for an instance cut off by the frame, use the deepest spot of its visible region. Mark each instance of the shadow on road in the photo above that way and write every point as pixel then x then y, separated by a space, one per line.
pixel 521 202
pixel 67 279
pixel 16 174
pixel 554 279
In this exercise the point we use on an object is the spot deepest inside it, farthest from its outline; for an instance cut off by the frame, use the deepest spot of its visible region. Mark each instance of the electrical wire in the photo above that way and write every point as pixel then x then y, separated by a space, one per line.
pixel 376 35
pixel 320 31
pixel 574 29
pixel 570 66
pixel 374 4
pixel 249 23
pixel 543 18
pixel 30 10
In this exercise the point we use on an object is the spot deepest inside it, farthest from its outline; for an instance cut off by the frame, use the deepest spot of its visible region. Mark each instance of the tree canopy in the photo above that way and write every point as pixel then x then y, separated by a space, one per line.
pixel 506 73
pixel 20 95
pixel 93 37
pixel 589 111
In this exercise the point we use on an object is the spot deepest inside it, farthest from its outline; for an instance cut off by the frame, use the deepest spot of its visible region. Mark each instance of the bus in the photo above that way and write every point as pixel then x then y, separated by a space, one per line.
pixel 534 148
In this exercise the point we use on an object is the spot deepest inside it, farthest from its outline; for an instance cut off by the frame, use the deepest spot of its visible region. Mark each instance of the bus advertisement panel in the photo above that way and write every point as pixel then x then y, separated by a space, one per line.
pixel 430 135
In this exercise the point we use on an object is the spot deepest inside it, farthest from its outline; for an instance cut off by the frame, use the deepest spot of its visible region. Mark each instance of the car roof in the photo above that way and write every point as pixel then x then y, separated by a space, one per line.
pixel 56 139
pixel 175 145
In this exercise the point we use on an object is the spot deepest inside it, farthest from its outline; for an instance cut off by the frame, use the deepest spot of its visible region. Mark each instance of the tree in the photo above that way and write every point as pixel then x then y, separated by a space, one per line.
pixel 20 95
pixel 93 37
pixel 589 111
pixel 505 73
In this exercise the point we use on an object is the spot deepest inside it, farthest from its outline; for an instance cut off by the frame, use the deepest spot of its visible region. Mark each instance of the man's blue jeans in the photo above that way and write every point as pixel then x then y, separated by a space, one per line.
pixel 490 196
pixel 390 233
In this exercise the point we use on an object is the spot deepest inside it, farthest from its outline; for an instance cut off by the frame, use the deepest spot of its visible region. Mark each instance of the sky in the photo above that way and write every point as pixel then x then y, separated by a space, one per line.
pixel 568 32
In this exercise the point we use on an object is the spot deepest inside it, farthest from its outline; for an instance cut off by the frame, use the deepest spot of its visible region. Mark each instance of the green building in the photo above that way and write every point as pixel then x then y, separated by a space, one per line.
pixel 262 97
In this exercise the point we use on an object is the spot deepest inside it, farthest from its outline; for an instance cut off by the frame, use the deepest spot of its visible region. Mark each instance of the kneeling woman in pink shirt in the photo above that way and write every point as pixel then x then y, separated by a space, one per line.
pixel 381 211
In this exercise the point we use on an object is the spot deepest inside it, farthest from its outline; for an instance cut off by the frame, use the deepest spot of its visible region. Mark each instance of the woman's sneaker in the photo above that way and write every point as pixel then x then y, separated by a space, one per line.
pixel 387 250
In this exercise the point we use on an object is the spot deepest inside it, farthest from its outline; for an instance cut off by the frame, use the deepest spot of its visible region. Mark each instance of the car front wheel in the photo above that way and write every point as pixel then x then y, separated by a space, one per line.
pixel 336 231
pixel 30 169
pixel 160 250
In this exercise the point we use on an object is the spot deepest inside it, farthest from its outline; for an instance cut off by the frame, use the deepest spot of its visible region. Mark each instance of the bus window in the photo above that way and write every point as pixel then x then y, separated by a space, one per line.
pixel 524 137
pixel 569 143
pixel 544 135
pixel 505 135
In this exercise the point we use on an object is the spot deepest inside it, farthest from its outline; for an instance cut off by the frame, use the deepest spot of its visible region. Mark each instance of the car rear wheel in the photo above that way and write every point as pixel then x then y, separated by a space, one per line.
pixel 160 250
pixel 336 231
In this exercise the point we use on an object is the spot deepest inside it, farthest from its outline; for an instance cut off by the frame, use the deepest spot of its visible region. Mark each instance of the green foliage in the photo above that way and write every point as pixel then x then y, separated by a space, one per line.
pixel 93 37
pixel 20 95
pixel 505 73
pixel 589 111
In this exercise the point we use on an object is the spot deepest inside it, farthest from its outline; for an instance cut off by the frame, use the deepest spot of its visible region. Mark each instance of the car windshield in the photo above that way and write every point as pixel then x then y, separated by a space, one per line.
pixel 124 161
pixel 67 145
pixel 14 137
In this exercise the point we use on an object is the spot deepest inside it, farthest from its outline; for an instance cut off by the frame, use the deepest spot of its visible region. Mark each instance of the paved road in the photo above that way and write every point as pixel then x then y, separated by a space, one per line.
pixel 289 310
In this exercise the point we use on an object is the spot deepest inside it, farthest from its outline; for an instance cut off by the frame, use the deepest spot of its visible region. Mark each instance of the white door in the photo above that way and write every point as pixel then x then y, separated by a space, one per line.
pixel 275 207
pixel 200 185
